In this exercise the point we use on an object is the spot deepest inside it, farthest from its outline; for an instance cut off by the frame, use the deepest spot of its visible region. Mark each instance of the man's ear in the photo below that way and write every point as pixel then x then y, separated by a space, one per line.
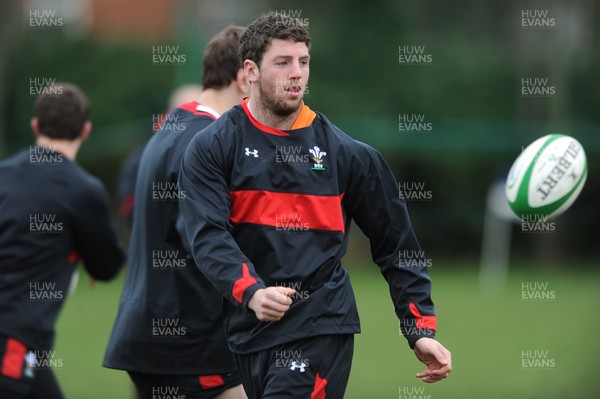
pixel 85 131
pixel 35 127
pixel 251 71
pixel 242 83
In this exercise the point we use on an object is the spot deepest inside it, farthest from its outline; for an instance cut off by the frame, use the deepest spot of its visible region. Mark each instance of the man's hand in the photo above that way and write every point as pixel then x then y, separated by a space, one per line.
pixel 437 359
pixel 271 303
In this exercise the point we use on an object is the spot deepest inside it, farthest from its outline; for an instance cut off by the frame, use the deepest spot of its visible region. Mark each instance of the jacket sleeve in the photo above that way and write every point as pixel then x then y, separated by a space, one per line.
pixel 373 200
pixel 96 240
pixel 205 210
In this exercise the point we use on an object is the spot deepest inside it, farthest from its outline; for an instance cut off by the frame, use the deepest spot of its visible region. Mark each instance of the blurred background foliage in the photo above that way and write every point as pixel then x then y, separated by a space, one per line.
pixel 470 93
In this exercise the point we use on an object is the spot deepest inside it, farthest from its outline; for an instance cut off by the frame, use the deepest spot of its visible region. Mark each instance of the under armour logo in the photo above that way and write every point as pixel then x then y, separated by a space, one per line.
pixel 30 358
pixel 300 366
pixel 253 152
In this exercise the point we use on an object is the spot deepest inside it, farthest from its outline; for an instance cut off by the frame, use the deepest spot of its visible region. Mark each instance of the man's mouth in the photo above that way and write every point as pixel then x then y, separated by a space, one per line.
pixel 294 89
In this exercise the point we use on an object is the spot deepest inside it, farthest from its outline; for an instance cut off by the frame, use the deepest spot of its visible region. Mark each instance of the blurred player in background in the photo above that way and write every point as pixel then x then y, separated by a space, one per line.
pixel 128 175
pixel 52 214
pixel 271 188
pixel 169 329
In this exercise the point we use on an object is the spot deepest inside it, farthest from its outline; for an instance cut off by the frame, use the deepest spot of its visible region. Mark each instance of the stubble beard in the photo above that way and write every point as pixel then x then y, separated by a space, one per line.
pixel 270 102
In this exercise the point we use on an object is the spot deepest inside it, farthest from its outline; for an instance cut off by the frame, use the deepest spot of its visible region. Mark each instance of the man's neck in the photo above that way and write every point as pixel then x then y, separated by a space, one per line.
pixel 68 148
pixel 221 100
pixel 266 117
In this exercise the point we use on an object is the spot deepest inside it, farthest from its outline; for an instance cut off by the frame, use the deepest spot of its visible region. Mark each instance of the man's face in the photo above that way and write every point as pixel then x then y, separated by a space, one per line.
pixel 283 76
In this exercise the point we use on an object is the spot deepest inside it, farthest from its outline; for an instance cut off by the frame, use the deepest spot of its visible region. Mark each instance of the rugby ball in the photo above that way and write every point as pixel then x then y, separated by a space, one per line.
pixel 547 177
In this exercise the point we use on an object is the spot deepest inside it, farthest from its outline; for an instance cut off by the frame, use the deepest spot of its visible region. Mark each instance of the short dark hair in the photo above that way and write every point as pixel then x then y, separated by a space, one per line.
pixel 61 111
pixel 220 61
pixel 273 25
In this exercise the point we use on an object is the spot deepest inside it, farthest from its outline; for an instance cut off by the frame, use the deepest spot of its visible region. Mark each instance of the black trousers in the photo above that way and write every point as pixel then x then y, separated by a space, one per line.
pixel 44 386
pixel 18 380
pixel 316 367
pixel 152 386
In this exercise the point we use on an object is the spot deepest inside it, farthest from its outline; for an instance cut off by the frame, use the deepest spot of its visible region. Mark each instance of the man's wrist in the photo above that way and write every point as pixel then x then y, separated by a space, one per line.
pixel 412 339
pixel 250 293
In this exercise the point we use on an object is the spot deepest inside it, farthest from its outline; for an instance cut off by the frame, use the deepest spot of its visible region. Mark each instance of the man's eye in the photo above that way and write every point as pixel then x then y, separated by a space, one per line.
pixel 282 63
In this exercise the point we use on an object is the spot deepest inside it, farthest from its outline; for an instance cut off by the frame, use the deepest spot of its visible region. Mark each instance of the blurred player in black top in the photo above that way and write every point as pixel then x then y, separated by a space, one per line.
pixel 271 188
pixel 128 174
pixel 169 329
pixel 52 215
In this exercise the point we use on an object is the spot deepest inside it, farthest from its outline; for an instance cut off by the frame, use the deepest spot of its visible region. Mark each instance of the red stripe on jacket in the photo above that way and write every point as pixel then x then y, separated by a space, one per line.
pixel 241 284
pixel 288 211
pixel 423 321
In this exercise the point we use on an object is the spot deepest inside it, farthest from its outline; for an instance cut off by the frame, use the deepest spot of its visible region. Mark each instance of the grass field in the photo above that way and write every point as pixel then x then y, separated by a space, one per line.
pixel 488 335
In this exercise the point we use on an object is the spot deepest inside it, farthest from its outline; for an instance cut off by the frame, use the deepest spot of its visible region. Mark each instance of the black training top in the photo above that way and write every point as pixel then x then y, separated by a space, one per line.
pixel 266 207
pixel 52 213
pixel 170 319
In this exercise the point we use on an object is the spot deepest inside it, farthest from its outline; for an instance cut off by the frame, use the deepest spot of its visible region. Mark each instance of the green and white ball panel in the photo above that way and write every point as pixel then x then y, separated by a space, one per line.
pixel 547 177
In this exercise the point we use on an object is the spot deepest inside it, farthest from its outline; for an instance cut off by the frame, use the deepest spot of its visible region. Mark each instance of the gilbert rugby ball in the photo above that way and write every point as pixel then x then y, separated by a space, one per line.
pixel 547 177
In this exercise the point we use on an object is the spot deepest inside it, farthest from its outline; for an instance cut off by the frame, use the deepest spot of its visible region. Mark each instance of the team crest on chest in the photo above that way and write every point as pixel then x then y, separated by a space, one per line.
pixel 317 156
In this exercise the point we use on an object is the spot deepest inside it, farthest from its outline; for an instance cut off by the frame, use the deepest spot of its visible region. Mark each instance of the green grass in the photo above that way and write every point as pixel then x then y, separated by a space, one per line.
pixel 486 333
pixel 82 334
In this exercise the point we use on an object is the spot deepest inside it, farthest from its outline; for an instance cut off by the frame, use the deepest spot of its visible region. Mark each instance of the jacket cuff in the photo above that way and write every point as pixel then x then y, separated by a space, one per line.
pixel 420 333
pixel 249 292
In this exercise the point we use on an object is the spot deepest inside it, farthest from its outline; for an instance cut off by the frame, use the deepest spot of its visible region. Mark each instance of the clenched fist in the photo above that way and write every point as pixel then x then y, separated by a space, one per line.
pixel 271 303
